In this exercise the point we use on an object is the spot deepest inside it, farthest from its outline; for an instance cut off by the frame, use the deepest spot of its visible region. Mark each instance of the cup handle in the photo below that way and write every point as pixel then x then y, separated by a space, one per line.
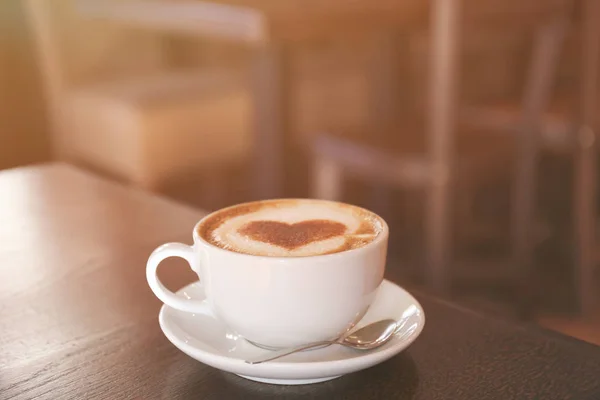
pixel 165 295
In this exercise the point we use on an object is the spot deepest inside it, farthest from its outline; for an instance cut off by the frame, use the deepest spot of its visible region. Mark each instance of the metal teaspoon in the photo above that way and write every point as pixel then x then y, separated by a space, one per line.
pixel 366 338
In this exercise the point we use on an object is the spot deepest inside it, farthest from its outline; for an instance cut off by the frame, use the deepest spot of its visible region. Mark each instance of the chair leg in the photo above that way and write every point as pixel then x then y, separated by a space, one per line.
pixel 384 87
pixel 586 159
pixel 523 204
pixel 545 60
pixel 585 218
pixel 327 180
pixel 270 68
pixel 443 82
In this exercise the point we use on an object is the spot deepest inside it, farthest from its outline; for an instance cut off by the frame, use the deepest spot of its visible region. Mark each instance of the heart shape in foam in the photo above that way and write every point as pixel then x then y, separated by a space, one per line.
pixel 292 236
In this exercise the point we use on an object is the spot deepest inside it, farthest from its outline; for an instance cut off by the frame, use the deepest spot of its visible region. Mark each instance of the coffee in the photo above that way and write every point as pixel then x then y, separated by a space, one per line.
pixel 291 228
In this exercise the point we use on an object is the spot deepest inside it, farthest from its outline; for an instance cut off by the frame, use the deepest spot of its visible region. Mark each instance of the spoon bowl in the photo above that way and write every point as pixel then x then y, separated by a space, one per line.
pixel 371 336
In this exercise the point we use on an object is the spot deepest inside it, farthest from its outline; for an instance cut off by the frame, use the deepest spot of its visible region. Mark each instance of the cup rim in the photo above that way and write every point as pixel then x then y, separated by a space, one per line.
pixel 380 238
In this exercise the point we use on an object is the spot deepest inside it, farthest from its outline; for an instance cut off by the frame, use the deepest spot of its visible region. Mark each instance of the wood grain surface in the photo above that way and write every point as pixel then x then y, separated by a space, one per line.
pixel 77 320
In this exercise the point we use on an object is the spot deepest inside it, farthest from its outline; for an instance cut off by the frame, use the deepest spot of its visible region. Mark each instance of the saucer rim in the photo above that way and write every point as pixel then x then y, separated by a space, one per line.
pixel 239 366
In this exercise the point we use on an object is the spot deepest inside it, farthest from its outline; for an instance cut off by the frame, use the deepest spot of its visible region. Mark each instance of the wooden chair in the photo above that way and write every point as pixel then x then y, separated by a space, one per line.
pixel 430 164
pixel 146 129
pixel 542 125
pixel 528 127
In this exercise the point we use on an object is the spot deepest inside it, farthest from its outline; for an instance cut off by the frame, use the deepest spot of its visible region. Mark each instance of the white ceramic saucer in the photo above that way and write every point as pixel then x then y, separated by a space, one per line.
pixel 208 341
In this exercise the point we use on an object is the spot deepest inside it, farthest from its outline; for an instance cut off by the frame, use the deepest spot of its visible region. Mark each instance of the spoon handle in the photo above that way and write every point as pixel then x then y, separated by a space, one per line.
pixel 285 352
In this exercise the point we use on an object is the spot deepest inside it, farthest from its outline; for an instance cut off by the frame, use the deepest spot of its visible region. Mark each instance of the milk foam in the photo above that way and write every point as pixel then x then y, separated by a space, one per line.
pixel 361 227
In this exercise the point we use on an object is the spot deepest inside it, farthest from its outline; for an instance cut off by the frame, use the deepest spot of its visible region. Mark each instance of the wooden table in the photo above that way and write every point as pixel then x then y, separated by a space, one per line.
pixel 77 320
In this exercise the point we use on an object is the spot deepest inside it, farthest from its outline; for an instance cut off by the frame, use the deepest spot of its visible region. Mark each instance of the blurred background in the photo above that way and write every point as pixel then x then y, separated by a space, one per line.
pixel 468 125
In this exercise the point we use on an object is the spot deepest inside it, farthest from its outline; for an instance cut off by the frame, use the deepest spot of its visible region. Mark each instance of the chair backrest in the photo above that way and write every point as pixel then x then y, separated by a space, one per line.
pixel 73 51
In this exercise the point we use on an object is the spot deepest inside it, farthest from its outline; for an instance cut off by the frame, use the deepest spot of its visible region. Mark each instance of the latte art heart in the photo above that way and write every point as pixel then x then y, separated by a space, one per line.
pixel 290 228
pixel 292 236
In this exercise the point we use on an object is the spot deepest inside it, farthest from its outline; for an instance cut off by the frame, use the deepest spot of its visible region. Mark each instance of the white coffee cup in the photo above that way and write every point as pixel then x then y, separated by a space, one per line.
pixel 277 302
